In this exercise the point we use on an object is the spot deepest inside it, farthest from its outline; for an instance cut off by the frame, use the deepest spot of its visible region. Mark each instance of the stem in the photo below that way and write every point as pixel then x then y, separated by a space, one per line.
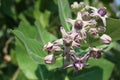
pixel 16 74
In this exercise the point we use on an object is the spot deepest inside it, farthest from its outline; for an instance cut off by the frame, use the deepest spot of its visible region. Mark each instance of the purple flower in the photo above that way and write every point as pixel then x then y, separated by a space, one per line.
pixel 68 38
pixel 77 24
pixel 106 39
pixel 101 13
pixel 84 25
pixel 78 65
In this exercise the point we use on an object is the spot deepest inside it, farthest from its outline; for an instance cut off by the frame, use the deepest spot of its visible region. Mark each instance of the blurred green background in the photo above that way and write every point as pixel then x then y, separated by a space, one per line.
pixel 46 11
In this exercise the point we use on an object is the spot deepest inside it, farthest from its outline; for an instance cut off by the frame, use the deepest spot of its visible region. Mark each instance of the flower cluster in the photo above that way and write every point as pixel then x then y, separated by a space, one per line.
pixel 85 24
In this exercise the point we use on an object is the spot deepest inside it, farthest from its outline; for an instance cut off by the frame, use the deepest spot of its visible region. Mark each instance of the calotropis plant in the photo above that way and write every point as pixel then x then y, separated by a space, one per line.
pixel 86 24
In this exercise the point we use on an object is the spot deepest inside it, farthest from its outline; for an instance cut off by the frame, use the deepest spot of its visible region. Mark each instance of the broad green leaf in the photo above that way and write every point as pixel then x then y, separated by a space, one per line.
pixel 43 17
pixel 34 48
pixel 113 28
pixel 43 34
pixel 27 29
pixel 26 64
pixel 64 12
pixel 100 69
pixel 21 76
pixel 31 70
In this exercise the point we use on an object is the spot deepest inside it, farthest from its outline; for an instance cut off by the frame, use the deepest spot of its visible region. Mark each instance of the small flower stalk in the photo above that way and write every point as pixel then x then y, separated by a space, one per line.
pixel 84 26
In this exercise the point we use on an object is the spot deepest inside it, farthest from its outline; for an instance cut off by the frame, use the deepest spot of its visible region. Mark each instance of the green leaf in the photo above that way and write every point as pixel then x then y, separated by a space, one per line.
pixel 26 64
pixel 21 76
pixel 64 12
pixel 113 28
pixel 34 48
pixel 31 70
pixel 43 17
pixel 27 29
pixel 43 34
pixel 100 69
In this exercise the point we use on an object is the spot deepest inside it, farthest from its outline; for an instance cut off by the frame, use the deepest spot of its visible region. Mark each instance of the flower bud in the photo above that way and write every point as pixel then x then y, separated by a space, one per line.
pixel 75 5
pixel 78 24
pixel 57 50
pixel 101 29
pixel 93 32
pixel 106 39
pixel 95 53
pixel 102 11
pixel 92 23
pixel 48 47
pixel 86 16
pixel 49 59
pixel 81 5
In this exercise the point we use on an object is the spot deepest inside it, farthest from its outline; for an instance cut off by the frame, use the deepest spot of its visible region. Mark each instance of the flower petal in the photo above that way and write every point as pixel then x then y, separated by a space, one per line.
pixel 79 16
pixel 64 33
pixel 70 21
pixel 75 44
pixel 58 42
pixel 104 20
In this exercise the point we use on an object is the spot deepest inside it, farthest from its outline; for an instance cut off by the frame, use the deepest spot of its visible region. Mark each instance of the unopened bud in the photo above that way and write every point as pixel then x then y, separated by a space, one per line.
pixel 86 16
pixel 48 47
pixel 81 5
pixel 93 32
pixel 49 59
pixel 95 53
pixel 92 23
pixel 106 39
pixel 101 29
pixel 75 5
